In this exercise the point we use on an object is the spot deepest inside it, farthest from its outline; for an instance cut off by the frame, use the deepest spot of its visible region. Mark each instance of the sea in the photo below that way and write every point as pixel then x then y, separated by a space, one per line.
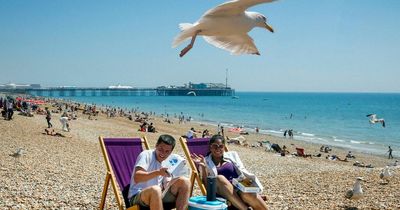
pixel 336 119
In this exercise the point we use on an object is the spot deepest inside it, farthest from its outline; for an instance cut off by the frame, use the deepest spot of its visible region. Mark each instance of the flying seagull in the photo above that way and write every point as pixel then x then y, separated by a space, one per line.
pixel 385 174
pixel 355 193
pixel 226 27
pixel 373 119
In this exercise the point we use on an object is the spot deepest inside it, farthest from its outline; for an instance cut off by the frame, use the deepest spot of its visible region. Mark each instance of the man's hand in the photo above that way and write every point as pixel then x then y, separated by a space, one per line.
pixel 163 172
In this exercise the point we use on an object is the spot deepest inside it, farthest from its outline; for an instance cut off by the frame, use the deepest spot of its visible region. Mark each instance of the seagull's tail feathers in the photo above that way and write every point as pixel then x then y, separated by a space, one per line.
pixel 185 34
pixel 185 26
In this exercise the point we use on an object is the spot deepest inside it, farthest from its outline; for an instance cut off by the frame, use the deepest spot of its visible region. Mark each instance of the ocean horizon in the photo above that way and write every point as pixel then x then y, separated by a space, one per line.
pixel 337 119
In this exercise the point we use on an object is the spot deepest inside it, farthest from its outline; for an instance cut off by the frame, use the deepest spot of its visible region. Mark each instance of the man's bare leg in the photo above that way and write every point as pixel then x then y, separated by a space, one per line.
pixel 187 48
pixel 152 197
pixel 181 190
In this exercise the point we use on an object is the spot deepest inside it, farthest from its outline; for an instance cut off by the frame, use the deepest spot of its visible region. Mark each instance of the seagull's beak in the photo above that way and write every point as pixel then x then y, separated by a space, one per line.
pixel 360 179
pixel 269 28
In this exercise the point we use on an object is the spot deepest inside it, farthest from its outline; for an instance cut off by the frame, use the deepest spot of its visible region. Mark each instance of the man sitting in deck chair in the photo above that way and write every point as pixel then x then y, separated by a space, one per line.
pixel 148 177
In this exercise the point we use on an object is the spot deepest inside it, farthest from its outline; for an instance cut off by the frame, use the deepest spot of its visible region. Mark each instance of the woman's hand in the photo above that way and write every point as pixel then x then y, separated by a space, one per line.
pixel 199 159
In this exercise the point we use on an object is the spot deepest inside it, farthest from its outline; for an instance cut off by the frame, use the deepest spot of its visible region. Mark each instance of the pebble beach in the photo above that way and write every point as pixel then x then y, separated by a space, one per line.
pixel 68 172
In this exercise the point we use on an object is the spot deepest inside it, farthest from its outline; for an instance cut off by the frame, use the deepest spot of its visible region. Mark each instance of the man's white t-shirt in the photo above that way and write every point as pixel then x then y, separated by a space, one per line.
pixel 148 161
pixel 189 134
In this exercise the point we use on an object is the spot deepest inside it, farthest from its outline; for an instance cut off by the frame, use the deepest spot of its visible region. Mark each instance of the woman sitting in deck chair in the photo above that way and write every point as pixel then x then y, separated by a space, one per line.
pixel 226 166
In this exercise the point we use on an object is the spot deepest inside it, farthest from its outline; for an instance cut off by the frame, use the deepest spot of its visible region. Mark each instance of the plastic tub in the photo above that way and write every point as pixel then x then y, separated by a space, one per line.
pixel 201 203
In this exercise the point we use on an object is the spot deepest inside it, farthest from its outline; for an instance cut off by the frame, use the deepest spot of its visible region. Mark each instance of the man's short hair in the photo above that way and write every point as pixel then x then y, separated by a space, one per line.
pixel 166 139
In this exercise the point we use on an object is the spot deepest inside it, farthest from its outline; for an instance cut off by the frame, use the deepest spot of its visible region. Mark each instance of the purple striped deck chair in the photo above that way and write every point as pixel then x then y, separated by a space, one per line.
pixel 197 146
pixel 120 157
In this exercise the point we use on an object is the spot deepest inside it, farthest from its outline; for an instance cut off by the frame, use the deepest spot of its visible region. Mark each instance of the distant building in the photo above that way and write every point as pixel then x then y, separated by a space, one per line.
pixel 36 86
pixel 13 86
pixel 200 89
pixel 120 87
pixel 206 85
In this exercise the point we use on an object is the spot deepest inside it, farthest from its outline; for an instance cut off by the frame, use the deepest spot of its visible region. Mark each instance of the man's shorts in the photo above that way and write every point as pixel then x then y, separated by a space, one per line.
pixel 168 198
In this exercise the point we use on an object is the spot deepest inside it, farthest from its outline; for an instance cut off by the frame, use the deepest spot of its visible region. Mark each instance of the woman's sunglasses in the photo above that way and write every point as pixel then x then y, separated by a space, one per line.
pixel 217 146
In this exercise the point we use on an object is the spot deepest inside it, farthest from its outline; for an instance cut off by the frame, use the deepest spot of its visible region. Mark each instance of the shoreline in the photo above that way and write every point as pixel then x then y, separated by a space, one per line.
pixel 279 134
pixel 361 145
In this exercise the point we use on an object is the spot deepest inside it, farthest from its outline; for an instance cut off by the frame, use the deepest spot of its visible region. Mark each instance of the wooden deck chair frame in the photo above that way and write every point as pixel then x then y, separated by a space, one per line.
pixel 110 176
pixel 194 176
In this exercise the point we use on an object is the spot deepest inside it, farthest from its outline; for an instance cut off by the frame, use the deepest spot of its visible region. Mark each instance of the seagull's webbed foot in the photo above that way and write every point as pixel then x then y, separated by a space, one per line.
pixel 187 48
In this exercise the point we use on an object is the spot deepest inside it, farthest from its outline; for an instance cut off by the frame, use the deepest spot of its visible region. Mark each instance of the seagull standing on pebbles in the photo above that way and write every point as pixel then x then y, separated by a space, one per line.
pixel 226 27
pixel 17 153
pixel 357 192
pixel 385 174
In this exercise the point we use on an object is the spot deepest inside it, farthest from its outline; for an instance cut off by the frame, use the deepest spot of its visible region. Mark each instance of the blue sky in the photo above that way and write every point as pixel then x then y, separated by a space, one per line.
pixel 318 45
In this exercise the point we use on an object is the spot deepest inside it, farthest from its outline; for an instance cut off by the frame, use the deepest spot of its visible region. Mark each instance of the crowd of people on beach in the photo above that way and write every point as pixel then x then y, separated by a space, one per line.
pixel 147 172
pixel 69 111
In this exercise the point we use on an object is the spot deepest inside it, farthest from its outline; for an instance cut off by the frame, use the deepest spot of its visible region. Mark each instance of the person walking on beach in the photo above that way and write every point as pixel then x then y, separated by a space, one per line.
pixel 390 153
pixel 10 109
pixel 64 122
pixel 290 133
pixel 48 117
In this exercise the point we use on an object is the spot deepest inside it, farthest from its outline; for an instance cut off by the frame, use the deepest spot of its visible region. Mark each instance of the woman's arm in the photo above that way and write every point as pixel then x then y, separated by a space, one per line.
pixel 203 169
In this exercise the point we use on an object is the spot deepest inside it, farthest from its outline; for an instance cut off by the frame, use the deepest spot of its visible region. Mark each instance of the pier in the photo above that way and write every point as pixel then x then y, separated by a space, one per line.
pixel 84 92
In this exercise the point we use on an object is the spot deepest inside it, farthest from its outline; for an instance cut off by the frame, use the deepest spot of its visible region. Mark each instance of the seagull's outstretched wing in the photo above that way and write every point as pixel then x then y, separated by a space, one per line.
pixel 234 7
pixel 236 44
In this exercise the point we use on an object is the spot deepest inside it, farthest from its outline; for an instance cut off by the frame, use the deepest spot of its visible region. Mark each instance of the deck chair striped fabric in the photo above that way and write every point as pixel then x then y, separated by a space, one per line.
pixel 197 146
pixel 120 157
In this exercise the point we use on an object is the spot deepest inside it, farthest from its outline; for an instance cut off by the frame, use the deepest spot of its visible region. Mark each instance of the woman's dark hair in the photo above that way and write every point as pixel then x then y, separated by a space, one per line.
pixel 215 138
pixel 166 139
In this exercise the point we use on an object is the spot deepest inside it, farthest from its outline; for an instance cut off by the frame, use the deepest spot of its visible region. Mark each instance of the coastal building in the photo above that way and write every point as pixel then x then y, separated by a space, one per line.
pixel 193 89
pixel 19 86
pixel 120 87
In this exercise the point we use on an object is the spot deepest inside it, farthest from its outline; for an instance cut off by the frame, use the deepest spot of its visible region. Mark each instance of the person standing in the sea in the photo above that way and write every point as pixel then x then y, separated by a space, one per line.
pixel 390 153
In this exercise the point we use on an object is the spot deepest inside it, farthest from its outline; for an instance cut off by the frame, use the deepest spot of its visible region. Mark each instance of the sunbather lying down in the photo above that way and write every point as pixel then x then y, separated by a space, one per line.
pixel 53 133
pixel 361 164
pixel 240 140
